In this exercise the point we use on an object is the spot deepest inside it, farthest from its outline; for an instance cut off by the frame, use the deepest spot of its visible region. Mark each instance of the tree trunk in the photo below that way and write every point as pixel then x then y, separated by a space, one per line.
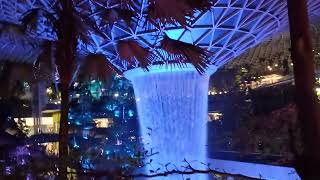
pixel 5 76
pixel 308 162
pixel 65 60
pixel 63 131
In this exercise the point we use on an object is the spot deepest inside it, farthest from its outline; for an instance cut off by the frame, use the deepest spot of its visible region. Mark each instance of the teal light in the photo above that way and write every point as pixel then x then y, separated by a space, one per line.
pixel 117 113
pixel 130 113
pixel 95 89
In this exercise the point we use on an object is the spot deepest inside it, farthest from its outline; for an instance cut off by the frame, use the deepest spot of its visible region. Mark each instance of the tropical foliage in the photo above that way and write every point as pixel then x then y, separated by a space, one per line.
pixel 65 25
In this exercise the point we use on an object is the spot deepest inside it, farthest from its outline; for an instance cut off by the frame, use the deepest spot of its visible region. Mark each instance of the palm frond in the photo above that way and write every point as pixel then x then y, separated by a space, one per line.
pixel 9 28
pixel 200 5
pixel 83 6
pixel 17 34
pixel 85 25
pixel 168 11
pixel 114 11
pixel 83 29
pixel 97 66
pixel 43 68
pixel 130 50
pixel 30 19
pixel 113 15
pixel 175 11
pixel 195 55
pixel 124 4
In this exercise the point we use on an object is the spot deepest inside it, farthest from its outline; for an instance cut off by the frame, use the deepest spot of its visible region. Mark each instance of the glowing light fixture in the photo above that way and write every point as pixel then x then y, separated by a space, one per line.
pixel 103 122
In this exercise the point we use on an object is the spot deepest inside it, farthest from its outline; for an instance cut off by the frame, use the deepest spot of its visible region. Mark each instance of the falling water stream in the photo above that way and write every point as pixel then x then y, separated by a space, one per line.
pixel 172 108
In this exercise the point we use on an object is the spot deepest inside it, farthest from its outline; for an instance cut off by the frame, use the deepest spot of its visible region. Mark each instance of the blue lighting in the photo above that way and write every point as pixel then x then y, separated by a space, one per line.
pixel 117 113
pixel 130 113
pixel 75 144
pixel 172 109
pixel 111 107
pixel 157 69
pixel 95 89
pixel 174 33
pixel 227 30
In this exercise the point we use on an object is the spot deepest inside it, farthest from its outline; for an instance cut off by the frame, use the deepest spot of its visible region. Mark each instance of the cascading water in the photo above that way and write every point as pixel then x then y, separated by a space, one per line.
pixel 172 108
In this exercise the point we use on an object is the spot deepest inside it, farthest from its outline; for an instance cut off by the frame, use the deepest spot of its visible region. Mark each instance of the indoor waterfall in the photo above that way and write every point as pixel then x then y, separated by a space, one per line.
pixel 172 108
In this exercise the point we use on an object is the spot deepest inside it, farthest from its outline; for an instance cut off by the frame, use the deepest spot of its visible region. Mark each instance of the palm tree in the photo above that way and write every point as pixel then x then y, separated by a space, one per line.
pixel 65 24
pixel 308 106
pixel 69 21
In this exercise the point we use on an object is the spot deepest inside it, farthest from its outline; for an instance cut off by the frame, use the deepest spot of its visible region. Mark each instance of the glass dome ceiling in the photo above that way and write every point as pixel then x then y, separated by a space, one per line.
pixel 227 30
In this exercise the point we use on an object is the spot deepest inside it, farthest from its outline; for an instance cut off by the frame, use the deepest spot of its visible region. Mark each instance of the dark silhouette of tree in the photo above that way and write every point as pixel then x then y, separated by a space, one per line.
pixel 308 161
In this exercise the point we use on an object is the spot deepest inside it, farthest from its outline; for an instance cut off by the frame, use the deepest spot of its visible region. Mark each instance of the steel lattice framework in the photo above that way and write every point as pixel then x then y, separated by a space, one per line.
pixel 277 47
pixel 227 30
